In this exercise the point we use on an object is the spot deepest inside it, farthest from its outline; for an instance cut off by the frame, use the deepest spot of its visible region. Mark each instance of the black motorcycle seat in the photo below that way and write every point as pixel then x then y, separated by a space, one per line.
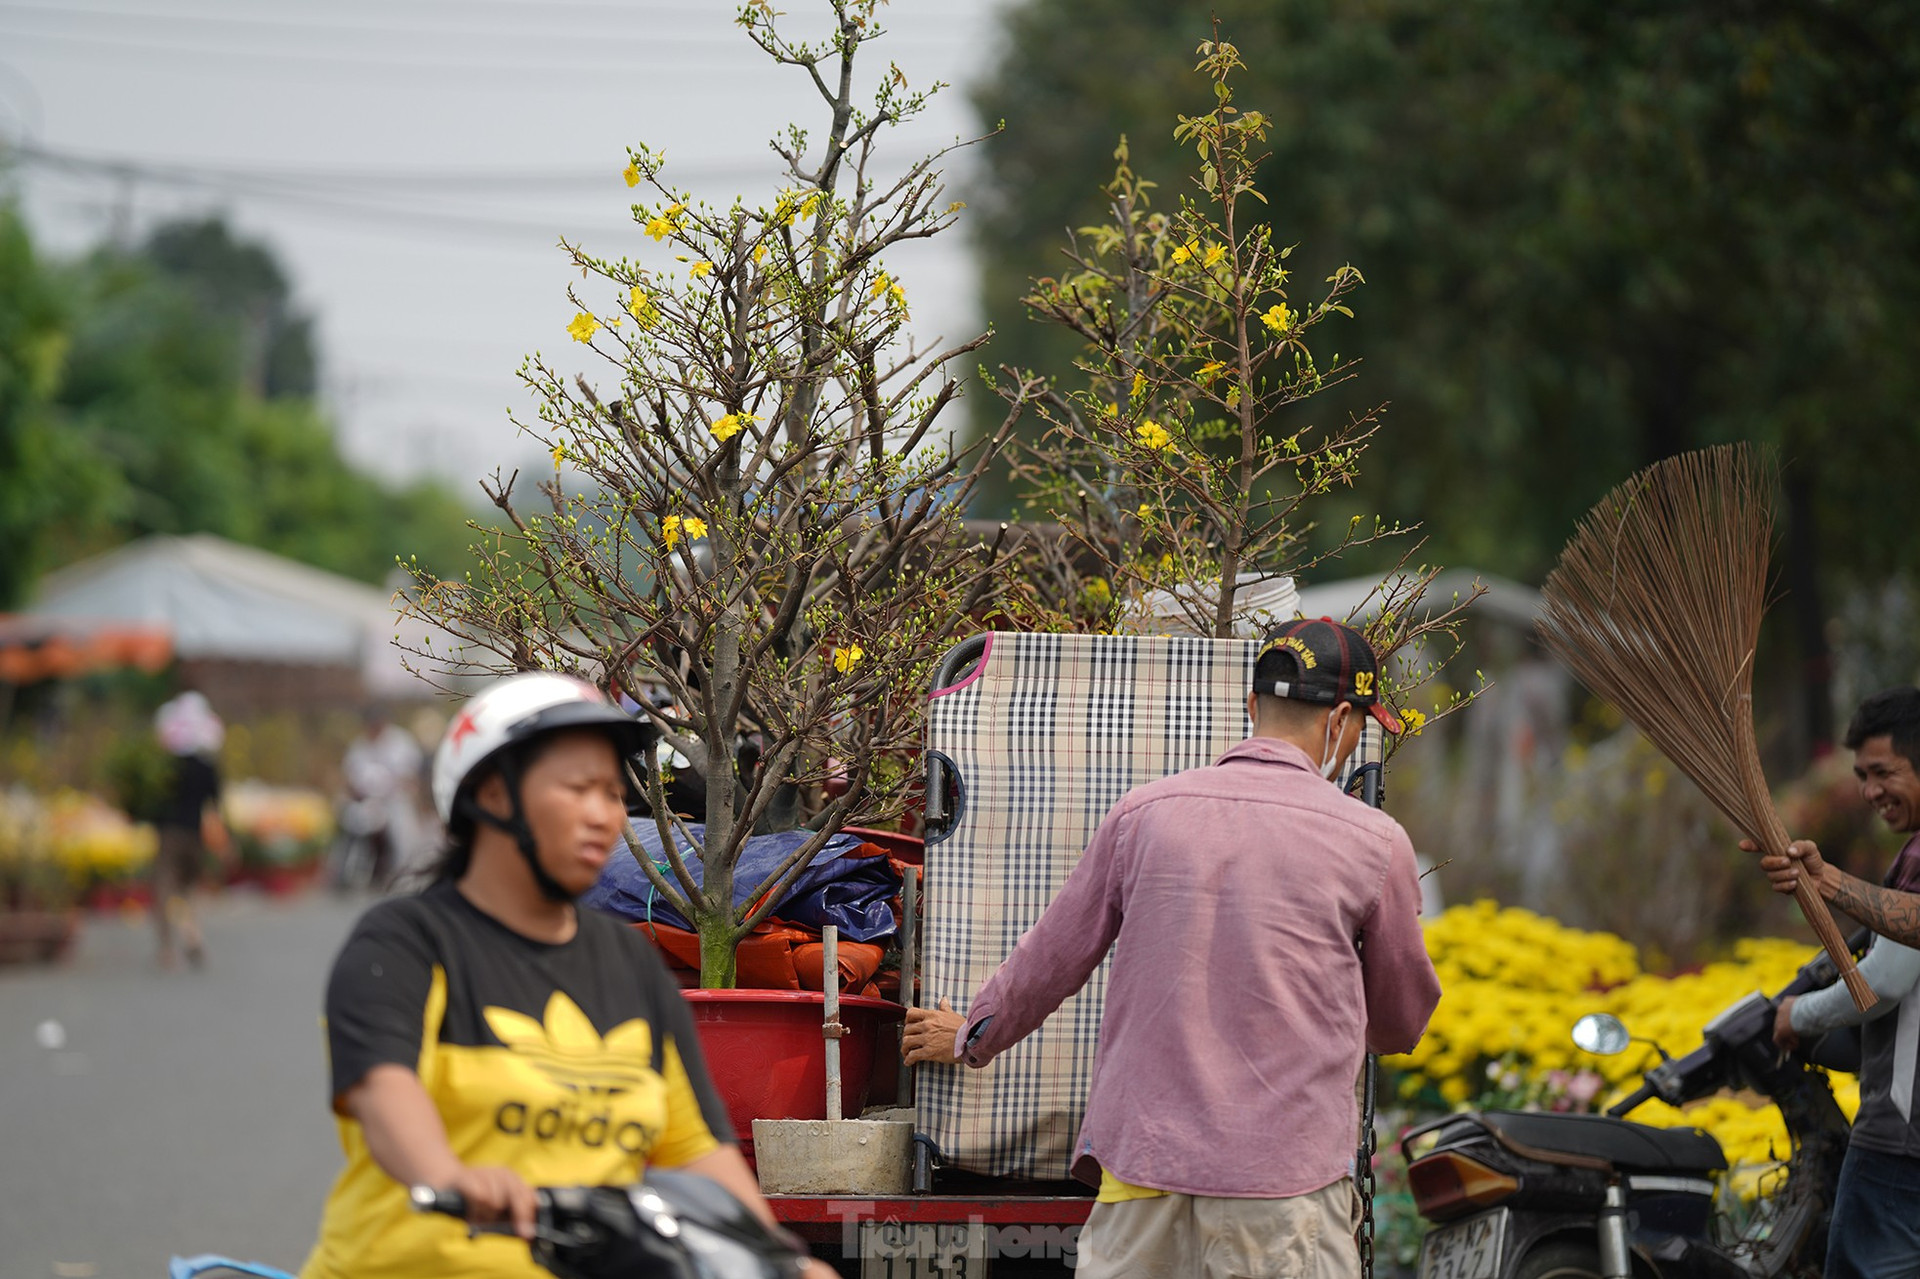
pixel 1628 1146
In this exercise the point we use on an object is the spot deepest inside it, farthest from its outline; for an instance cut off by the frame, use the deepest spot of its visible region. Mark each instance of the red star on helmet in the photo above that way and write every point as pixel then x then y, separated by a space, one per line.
pixel 462 727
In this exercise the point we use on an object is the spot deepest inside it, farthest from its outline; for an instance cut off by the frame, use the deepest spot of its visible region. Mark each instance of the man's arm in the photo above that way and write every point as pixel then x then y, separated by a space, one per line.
pixel 1402 989
pixel 1893 914
pixel 1887 911
pixel 1891 970
pixel 1051 960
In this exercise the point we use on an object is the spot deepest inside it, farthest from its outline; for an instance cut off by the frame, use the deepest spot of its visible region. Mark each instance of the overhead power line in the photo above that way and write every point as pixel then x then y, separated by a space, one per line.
pixel 375 59
pixel 653 33
pixel 380 215
pixel 559 48
pixel 473 181
pixel 386 202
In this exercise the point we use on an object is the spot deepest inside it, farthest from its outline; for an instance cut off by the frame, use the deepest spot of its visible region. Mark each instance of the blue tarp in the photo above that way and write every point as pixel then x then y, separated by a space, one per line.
pixel 852 893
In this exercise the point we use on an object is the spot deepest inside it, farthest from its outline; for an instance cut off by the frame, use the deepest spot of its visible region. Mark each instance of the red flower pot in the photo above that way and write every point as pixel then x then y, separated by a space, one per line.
pixel 767 1056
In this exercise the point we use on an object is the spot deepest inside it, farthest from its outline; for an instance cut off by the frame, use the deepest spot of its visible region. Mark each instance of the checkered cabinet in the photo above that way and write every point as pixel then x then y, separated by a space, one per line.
pixel 1045 733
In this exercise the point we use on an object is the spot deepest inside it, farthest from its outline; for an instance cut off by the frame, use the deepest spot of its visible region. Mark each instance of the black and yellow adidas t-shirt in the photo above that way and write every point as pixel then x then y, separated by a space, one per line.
pixel 572 1064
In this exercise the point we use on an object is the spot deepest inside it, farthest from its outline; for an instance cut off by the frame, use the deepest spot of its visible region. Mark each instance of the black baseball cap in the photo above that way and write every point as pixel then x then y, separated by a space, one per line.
pixel 1321 660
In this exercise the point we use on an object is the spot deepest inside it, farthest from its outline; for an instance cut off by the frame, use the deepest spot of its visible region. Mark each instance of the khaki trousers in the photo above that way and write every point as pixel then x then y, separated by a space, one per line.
pixel 1201 1237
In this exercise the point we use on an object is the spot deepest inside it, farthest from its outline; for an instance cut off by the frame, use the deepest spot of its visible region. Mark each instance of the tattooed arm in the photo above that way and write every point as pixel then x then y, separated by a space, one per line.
pixel 1889 912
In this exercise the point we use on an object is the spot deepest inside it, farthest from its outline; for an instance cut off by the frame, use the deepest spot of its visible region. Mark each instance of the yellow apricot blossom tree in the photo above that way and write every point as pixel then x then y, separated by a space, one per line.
pixel 1180 478
pixel 767 519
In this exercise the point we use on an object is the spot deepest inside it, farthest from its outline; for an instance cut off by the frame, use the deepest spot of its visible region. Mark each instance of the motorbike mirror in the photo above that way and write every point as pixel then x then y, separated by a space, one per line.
pixel 1602 1034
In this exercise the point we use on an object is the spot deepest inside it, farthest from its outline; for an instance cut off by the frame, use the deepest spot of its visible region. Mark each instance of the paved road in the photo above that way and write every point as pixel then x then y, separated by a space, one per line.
pixel 184 1112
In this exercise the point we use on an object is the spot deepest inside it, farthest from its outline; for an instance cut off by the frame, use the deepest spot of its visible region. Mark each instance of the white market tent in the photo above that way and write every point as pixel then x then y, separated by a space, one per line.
pixel 1261 602
pixel 1504 602
pixel 223 602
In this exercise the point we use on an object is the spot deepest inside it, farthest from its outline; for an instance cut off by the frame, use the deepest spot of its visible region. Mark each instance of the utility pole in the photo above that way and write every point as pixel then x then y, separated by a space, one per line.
pixel 120 220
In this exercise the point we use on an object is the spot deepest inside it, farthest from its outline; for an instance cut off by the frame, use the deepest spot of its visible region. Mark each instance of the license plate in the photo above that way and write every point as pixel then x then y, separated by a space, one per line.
pixel 924 1250
pixel 1467 1249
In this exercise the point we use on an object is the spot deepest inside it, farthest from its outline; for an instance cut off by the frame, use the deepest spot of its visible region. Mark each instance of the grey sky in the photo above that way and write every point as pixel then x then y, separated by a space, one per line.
pixel 414 161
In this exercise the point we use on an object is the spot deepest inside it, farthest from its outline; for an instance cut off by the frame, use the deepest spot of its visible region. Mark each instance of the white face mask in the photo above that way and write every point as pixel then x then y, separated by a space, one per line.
pixel 1329 762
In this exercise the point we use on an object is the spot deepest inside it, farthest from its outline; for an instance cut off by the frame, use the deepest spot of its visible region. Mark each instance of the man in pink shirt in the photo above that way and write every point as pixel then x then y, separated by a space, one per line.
pixel 1265 936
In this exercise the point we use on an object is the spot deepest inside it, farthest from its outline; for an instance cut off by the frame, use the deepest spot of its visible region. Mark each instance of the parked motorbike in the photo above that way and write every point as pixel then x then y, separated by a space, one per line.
pixel 1535 1195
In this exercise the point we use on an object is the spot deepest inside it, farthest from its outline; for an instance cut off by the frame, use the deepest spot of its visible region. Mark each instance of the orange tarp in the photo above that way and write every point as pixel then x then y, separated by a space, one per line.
pixel 775 956
pixel 34 649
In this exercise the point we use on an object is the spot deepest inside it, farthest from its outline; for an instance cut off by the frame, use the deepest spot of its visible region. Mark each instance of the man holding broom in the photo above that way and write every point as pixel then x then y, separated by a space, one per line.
pixel 1221 1121
pixel 1876 1209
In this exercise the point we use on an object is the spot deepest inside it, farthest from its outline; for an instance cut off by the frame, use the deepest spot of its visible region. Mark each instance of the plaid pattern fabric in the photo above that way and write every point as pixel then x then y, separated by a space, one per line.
pixel 1046 736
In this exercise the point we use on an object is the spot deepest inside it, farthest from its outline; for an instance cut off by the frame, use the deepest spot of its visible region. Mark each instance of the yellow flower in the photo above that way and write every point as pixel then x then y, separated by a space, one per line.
pixel 845 659
pixel 583 327
pixel 670 529
pixel 1414 720
pixel 759 253
pixel 731 425
pixel 640 306
pixel 1210 370
pixel 631 173
pixel 1278 318
pixel 694 526
pixel 1153 435
pixel 700 268
pixel 666 223
pixel 886 284
pixel 808 205
pixel 1139 386
pixel 1186 251
pixel 1145 512
pixel 1214 254
pixel 559 455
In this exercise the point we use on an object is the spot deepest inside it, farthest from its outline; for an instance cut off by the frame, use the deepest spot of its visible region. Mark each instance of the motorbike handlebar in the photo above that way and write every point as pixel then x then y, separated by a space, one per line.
pixel 448 1202
pixel 1819 972
pixel 452 1203
pixel 1643 1093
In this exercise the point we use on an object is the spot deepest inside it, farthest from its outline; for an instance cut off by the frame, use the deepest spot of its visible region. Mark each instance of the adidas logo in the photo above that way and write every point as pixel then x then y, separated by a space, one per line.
pixel 571 1053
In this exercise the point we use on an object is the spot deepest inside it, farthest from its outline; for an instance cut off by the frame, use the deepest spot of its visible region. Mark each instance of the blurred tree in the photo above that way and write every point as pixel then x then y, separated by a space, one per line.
pixel 47 477
pixel 127 407
pixel 242 284
pixel 1596 234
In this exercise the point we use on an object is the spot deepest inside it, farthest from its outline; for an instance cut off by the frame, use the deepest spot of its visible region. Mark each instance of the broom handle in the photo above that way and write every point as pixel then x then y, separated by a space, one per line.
pixel 1773 840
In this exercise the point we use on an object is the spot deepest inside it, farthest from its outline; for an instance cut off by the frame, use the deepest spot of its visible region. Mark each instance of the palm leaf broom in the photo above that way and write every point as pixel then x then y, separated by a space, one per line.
pixel 1656 605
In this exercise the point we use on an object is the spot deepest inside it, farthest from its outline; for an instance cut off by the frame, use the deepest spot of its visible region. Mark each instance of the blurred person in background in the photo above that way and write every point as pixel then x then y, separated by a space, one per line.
pixel 381 771
pixel 188 822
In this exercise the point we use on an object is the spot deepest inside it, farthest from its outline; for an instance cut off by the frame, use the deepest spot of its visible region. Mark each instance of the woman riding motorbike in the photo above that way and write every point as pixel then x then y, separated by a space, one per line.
pixel 487 1034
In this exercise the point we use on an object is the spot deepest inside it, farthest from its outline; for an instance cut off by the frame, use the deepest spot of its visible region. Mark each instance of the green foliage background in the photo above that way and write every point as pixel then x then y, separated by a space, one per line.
pixel 169 389
pixel 1595 234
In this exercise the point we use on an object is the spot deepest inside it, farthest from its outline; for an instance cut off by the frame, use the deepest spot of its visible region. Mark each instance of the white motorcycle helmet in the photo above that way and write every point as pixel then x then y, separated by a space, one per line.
pixel 510 713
